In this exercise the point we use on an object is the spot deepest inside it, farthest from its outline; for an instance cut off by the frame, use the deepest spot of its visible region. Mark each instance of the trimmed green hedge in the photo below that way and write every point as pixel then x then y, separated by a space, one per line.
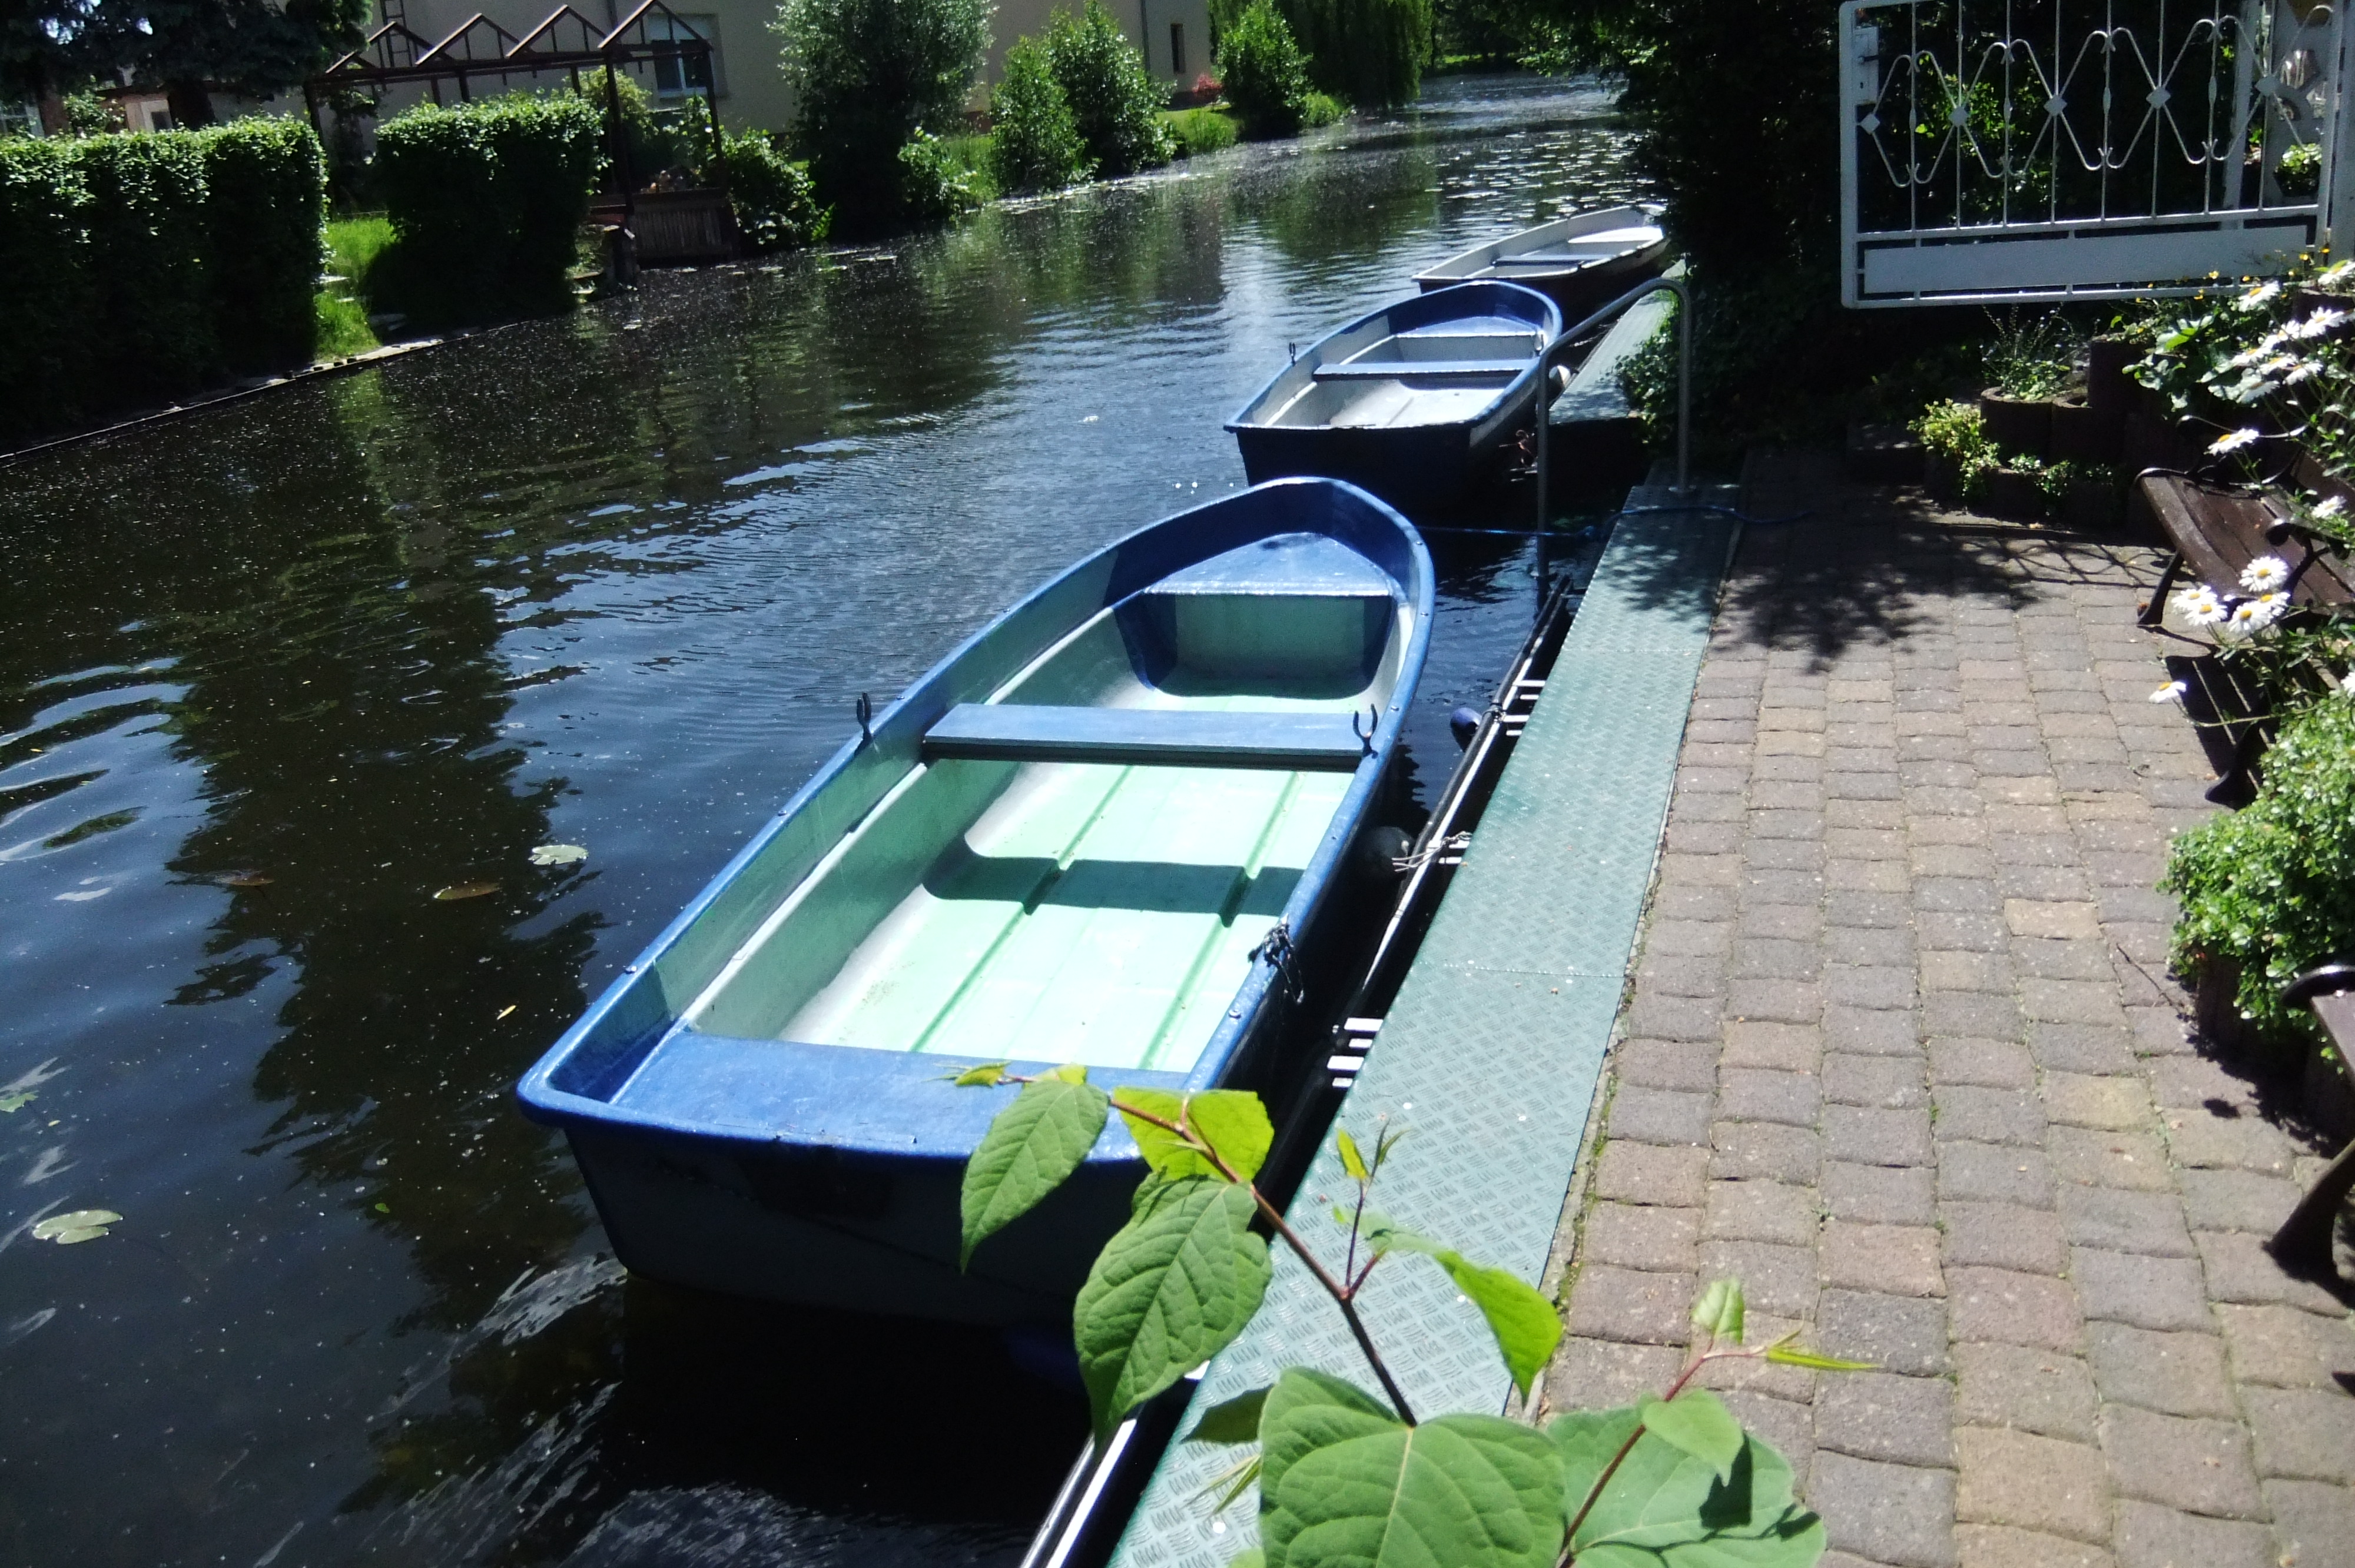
pixel 143 266
pixel 485 202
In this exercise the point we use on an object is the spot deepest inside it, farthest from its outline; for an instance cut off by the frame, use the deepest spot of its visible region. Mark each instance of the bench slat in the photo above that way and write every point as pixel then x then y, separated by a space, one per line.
pixel 1012 732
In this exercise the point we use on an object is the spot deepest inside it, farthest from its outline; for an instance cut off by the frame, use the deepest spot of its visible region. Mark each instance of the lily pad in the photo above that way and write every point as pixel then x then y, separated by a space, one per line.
pixel 82 1225
pixel 558 854
pixel 16 1102
pixel 452 894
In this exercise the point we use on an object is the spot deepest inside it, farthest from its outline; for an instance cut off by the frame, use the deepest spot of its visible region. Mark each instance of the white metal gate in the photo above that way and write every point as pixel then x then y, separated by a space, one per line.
pixel 2001 150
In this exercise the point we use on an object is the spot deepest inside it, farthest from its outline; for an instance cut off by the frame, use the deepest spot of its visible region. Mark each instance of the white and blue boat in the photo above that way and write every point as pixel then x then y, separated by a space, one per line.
pixel 1579 263
pixel 1106 829
pixel 1411 402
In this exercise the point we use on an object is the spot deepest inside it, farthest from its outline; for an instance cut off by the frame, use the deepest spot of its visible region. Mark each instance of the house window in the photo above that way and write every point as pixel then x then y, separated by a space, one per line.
pixel 677 74
pixel 1178 48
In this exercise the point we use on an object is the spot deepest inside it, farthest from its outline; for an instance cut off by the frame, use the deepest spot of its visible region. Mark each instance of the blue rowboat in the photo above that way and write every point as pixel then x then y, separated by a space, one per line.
pixel 1410 402
pixel 1102 831
pixel 1580 263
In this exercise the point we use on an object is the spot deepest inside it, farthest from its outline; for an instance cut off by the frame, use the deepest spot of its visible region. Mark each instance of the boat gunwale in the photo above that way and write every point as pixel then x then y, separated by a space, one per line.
pixel 542 1101
pixel 1489 253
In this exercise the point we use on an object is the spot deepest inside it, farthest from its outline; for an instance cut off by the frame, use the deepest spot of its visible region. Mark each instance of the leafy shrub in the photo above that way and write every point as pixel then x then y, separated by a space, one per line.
pixel 1114 101
pixel 266 196
pixel 1953 434
pixel 2265 365
pixel 775 199
pixel 1265 74
pixel 147 239
pixel 485 201
pixel 868 76
pixel 1034 144
pixel 2271 887
pixel 45 352
pixel 1199 131
pixel 1322 108
pixel 1366 52
pixel 2029 358
pixel 933 185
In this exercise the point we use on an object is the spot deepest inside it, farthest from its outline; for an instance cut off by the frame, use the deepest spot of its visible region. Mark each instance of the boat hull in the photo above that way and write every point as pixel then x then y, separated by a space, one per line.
pixel 1602 254
pixel 734 1154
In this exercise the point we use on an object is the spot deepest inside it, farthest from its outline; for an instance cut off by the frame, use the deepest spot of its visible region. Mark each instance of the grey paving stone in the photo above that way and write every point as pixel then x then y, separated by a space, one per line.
pixel 2006 1307
pixel 1648 1173
pixel 2000 1546
pixel 1963 968
pixel 1674 1017
pixel 2150 1536
pixel 2147 1292
pixel 1857 906
pixel 1981 1014
pixel 1787 1425
pixel 2304 1434
pixel 2042 1483
pixel 1879 1195
pixel 1673 974
pixel 2038 1390
pixel 1773 1000
pixel 1898 1334
pixel 1763 1212
pixel 1764 1151
pixel 1881 1415
pixel 1901 1260
pixel 1868 1136
pixel 1774 957
pixel 1871 1032
pixel 2122 1220
pixel 1590 1374
pixel 1685 1064
pixel 2176 1374
pixel 1643 1115
pixel 1777 1279
pixel 2240 1269
pixel 2285 1347
pixel 1689 939
pixel 2111 1103
pixel 2004 1236
pixel 1896 1514
pixel 1978 1115
pixel 1869 985
pixel 1990 1064
pixel 1960 933
pixel 1634 1305
pixel 1779 1047
pixel 2081 1047
pixel 2093 1157
pixel 1886 1083
pixel 2079 959
pixel 2202 1467
pixel 2199 1137
pixel 2314 1525
pixel 1993 1174
pixel 1746 1094
pixel 1645 1237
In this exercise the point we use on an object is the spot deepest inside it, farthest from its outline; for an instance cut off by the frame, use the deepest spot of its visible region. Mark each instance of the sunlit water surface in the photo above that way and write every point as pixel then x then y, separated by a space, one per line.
pixel 273 675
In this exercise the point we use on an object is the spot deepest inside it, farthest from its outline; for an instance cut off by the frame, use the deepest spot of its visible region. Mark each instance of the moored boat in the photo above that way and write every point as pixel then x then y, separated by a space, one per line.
pixel 1412 401
pixel 1579 263
pixel 1100 831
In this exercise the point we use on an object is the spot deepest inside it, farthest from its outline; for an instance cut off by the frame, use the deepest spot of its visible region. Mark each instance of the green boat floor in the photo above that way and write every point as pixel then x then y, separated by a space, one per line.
pixel 1491 1055
pixel 1095 913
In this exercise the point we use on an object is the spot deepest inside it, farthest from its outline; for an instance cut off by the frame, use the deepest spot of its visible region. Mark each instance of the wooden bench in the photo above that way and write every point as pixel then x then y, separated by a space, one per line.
pixel 2213 532
pixel 2301 1246
pixel 1153 737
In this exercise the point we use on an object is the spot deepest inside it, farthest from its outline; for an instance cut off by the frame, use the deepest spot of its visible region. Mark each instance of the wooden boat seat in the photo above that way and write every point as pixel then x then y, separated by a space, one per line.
pixel 1167 737
pixel 1436 369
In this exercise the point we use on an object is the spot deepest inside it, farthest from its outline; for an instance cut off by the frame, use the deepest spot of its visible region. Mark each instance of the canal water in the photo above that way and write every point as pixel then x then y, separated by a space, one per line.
pixel 273 676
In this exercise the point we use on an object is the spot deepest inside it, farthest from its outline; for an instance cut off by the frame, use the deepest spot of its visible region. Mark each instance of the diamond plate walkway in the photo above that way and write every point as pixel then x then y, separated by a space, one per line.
pixel 1492 1053
pixel 1903 1055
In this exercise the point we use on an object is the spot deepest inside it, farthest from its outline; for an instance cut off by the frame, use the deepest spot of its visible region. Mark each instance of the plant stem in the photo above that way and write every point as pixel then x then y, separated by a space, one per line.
pixel 1594 1492
pixel 1333 1286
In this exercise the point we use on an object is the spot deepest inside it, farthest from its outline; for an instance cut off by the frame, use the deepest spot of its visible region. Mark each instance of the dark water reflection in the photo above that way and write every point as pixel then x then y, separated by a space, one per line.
pixel 272 677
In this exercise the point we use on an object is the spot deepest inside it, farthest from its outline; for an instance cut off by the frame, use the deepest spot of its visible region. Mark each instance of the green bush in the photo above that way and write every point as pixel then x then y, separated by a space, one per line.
pixel 1199 131
pixel 1322 108
pixel 147 239
pixel 1266 76
pixel 773 198
pixel 2271 888
pixel 1034 144
pixel 45 377
pixel 485 202
pixel 1114 101
pixel 1366 52
pixel 868 76
pixel 267 182
pixel 932 183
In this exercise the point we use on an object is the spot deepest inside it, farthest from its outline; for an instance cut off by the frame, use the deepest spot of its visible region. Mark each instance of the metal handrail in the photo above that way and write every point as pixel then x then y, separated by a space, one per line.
pixel 1684 379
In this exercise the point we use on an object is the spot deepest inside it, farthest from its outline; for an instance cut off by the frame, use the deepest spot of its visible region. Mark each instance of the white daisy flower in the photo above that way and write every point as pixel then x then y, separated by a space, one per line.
pixel 2276 604
pixel 2250 617
pixel 2264 294
pixel 2233 441
pixel 2170 693
pixel 2201 605
pixel 2315 325
pixel 2346 682
pixel 2265 573
pixel 2337 274
pixel 2332 507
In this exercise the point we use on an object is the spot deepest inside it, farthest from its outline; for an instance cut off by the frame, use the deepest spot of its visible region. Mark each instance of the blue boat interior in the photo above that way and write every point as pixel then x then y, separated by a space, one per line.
pixel 1076 862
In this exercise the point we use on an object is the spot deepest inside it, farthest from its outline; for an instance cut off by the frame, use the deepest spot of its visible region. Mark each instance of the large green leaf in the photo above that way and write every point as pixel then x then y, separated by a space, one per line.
pixel 1231 1121
pixel 1346 1485
pixel 1666 1507
pixel 1030 1148
pixel 1718 1311
pixel 1170 1289
pixel 1696 1422
pixel 1232 1420
pixel 1525 1323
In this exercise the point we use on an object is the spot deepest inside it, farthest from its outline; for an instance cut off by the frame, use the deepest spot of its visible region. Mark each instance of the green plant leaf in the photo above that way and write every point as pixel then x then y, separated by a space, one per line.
pixel 1030 1147
pixel 1232 1420
pixel 1696 1422
pixel 1231 1121
pixel 1351 1160
pixel 1665 1506
pixel 1718 1311
pixel 1386 1236
pixel 82 1225
pixel 1254 1558
pixel 17 1101
pixel 1231 1483
pixel 1461 1491
pixel 1170 1290
pixel 1525 1323
pixel 987 1076
pixel 1785 1356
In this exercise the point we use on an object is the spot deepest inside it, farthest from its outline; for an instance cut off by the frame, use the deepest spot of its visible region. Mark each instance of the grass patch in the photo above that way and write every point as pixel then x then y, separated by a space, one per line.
pixel 969 155
pixel 1322 108
pixel 352 246
pixel 1199 131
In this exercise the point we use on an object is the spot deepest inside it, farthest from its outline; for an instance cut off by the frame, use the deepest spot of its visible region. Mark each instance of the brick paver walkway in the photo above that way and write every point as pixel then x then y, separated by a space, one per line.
pixel 1903 1054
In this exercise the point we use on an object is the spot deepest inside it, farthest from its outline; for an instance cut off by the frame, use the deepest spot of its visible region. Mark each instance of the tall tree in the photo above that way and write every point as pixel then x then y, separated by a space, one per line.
pixel 188 47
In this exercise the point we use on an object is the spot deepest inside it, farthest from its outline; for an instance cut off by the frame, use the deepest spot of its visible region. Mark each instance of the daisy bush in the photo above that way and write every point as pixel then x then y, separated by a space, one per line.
pixel 2266 364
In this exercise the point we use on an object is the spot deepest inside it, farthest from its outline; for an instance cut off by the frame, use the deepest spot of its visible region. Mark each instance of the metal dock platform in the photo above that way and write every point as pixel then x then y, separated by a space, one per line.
pixel 1493 1050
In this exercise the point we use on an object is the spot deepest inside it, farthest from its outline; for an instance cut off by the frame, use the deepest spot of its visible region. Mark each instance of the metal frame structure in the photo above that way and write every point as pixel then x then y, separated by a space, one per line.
pixel 565 41
pixel 2012 150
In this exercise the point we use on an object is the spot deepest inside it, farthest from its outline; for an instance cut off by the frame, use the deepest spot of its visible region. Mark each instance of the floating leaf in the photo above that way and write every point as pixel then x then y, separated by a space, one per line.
pixel 384 1208
pixel 558 854
pixel 18 1101
pixel 1345 1481
pixel 453 893
pixel 1233 1420
pixel 1030 1147
pixel 1352 1161
pixel 1231 1121
pixel 1696 1422
pixel 1717 1312
pixel 1170 1290
pixel 82 1225
pixel 247 879
pixel 983 1077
